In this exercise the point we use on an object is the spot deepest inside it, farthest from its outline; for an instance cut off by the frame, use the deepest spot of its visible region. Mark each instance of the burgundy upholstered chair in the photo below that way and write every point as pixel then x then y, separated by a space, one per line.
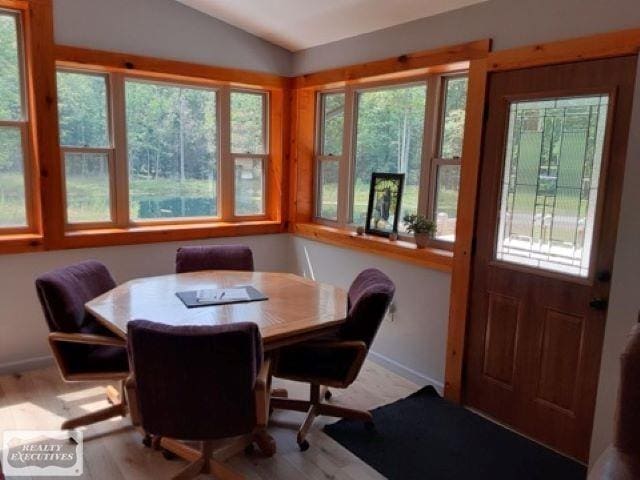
pixel 214 257
pixel 83 349
pixel 201 383
pixel 621 461
pixel 336 361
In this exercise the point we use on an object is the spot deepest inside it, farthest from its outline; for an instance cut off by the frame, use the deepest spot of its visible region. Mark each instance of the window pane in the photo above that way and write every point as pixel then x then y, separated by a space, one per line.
pixel 82 109
pixel 389 135
pixel 87 187
pixel 550 186
pixel 10 81
pixel 247 122
pixel 12 193
pixel 329 172
pixel 172 151
pixel 249 186
pixel 332 123
pixel 454 112
pixel 446 201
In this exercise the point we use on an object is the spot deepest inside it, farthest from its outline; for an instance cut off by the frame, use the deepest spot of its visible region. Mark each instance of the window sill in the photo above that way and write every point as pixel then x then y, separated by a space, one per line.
pixel 166 233
pixel 435 258
pixel 21 242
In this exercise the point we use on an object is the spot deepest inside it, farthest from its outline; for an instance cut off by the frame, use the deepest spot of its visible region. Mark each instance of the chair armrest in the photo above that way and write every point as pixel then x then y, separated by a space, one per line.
pixel 358 346
pixel 86 338
pixel 262 392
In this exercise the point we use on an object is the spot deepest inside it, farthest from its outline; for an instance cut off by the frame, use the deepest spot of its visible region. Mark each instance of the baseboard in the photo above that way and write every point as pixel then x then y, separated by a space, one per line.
pixel 406 372
pixel 25 365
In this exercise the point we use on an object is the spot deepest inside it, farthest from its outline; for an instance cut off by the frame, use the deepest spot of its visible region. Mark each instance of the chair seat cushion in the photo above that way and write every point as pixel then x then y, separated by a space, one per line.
pixel 313 363
pixel 84 358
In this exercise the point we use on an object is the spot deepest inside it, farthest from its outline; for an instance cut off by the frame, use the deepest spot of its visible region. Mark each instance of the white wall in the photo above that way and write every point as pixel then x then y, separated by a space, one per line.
pixel 412 341
pixel 164 29
pixel 23 332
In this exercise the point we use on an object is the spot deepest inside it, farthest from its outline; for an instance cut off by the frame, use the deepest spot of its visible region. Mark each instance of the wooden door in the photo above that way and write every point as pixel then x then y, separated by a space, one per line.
pixel 551 178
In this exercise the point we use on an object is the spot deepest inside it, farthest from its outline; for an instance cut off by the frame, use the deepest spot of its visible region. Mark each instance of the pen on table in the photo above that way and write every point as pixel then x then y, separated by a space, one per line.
pixel 222 295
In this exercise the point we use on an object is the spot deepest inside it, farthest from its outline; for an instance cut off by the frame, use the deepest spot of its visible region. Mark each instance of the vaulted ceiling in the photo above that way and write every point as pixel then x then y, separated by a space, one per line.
pixel 299 24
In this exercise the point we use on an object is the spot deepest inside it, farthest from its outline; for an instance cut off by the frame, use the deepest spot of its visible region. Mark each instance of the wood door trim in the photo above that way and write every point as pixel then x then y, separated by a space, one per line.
pixel 612 44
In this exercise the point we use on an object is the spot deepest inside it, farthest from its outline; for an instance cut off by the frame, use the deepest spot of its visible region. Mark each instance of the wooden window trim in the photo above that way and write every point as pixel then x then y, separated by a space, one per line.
pixel 26 125
pixel 434 258
pixel 122 231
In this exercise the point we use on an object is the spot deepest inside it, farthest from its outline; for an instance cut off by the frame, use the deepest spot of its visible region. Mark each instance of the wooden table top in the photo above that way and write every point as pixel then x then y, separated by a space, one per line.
pixel 297 308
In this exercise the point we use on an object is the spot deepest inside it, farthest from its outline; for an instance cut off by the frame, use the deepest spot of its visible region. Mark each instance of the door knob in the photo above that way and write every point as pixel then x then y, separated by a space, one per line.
pixel 599 303
pixel 604 276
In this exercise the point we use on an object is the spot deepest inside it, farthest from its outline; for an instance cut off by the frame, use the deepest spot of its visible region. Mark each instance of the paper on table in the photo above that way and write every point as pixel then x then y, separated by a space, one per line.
pixel 222 294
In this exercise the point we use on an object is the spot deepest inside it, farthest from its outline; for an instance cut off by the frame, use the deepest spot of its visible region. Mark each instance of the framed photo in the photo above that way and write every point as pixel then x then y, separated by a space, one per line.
pixel 385 197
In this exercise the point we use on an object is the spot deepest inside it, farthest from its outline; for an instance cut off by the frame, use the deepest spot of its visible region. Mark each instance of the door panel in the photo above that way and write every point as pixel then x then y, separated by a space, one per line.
pixel 550 182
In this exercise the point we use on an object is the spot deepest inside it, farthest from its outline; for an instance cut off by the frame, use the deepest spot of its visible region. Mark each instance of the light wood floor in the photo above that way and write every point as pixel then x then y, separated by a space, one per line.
pixel 39 399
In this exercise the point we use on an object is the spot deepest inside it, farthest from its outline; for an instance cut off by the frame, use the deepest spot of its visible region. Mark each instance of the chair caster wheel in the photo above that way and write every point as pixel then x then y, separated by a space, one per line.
pixel 147 441
pixel 304 446
pixel 328 395
pixel 249 449
pixel 168 455
pixel 369 426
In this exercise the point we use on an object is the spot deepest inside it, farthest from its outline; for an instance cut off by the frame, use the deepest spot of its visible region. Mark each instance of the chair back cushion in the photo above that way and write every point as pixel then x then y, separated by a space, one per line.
pixel 214 257
pixel 63 293
pixel 369 298
pixel 628 414
pixel 195 382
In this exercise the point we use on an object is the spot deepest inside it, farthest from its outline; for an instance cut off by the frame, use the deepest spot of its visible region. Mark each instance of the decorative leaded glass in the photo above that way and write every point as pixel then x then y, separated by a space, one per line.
pixel 550 184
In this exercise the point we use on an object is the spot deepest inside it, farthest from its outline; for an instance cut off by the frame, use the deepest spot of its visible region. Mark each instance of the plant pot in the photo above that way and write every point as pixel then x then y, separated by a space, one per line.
pixel 422 240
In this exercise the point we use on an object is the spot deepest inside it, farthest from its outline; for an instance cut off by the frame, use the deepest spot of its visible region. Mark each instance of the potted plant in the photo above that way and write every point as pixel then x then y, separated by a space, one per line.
pixel 422 228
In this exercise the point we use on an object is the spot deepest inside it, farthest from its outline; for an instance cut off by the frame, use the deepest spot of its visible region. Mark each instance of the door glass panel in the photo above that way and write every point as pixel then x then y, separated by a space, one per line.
pixel 550 184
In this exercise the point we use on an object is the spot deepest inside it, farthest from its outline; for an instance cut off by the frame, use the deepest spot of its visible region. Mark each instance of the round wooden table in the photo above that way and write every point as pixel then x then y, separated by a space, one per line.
pixel 297 308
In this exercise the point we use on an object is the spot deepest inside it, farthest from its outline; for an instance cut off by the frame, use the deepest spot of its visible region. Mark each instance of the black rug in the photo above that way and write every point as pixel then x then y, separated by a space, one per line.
pixel 424 437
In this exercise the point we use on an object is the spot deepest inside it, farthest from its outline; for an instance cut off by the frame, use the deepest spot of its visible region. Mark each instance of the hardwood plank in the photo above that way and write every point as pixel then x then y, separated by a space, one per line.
pixel 38 399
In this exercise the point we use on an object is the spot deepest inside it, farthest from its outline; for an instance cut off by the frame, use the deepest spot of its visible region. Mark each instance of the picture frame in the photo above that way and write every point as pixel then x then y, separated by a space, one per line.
pixel 385 199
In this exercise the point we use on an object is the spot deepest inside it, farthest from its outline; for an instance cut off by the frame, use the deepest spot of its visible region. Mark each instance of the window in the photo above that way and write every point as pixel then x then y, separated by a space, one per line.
pixel 330 153
pixel 86 146
pixel 249 151
pixel 446 167
pixel 414 128
pixel 389 131
pixel 172 151
pixel 14 128
pixel 140 151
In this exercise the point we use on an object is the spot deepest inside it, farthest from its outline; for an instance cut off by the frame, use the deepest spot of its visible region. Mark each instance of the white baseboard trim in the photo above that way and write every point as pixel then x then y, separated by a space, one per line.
pixel 406 372
pixel 25 365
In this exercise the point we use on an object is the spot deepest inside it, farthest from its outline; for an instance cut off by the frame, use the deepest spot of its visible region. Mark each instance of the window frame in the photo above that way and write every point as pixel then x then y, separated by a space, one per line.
pixel 438 159
pixel 123 182
pixel 26 128
pixel 109 150
pixel 433 134
pixel 263 157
